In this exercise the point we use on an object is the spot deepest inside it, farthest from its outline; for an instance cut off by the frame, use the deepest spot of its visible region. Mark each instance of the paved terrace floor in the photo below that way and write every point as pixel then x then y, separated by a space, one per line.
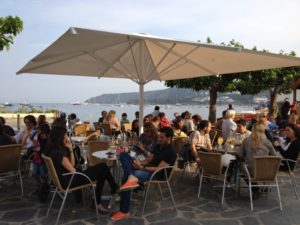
pixel 191 211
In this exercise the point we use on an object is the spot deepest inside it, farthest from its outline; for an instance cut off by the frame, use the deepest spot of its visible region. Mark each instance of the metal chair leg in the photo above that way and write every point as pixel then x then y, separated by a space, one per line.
pixel 223 191
pixel 61 207
pixel 294 184
pixel 161 193
pixel 200 185
pixel 169 187
pixel 21 182
pixel 145 198
pixel 250 194
pixel 278 192
pixel 51 203
pixel 95 200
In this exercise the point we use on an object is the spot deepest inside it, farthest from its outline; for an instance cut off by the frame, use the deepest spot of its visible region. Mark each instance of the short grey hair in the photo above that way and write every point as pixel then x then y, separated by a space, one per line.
pixel 230 113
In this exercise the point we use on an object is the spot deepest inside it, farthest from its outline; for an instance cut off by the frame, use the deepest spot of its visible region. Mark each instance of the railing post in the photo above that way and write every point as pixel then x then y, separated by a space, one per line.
pixel 18 121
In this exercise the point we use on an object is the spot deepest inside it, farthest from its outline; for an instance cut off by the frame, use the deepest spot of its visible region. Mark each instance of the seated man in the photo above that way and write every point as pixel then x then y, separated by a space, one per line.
pixel 136 171
pixel 240 133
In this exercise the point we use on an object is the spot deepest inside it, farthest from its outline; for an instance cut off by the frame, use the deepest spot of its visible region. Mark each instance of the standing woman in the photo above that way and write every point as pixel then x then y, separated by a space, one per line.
pixel 290 149
pixel 59 149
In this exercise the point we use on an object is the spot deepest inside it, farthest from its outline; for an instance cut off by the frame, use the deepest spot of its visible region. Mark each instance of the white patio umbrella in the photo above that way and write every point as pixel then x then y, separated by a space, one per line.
pixel 143 58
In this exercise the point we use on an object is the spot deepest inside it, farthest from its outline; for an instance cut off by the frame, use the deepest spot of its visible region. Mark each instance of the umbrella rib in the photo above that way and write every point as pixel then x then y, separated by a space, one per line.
pixel 47 64
pixel 188 60
pixel 118 58
pixel 151 76
pixel 132 54
pixel 131 77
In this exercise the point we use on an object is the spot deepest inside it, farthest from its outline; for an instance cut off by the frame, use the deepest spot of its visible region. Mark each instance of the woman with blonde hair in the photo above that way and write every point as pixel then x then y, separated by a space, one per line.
pixel 256 144
pixel 112 120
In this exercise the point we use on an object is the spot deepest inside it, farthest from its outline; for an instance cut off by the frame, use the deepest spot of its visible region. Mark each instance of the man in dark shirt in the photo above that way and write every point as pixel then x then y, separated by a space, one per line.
pixel 136 171
pixel 6 129
pixel 4 138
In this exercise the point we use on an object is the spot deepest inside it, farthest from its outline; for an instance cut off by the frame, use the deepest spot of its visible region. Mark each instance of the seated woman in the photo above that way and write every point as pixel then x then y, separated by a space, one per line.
pixel 256 144
pixel 198 140
pixel 291 147
pixel 59 149
pixel 114 123
pixel 177 126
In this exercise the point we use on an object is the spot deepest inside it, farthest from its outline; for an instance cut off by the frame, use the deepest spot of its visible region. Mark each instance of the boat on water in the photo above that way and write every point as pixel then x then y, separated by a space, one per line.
pixel 7 104
pixel 25 104
pixel 76 103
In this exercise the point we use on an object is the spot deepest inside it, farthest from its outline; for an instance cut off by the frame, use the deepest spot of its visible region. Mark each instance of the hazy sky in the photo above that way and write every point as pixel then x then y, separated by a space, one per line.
pixel 268 24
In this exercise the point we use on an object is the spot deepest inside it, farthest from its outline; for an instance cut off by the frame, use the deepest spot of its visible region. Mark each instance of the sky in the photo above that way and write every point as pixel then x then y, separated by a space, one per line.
pixel 270 24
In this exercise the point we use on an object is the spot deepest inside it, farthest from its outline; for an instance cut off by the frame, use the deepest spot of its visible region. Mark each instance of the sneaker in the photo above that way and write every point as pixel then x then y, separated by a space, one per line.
pixel 119 216
pixel 129 185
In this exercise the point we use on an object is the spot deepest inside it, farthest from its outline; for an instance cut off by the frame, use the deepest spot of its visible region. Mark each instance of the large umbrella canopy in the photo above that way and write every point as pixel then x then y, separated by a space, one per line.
pixel 142 58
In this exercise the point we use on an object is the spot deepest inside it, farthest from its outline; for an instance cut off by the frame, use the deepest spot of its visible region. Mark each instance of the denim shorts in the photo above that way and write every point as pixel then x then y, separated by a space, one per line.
pixel 39 170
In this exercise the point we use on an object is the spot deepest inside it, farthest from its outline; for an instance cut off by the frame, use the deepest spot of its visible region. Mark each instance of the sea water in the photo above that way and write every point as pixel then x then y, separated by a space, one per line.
pixel 91 112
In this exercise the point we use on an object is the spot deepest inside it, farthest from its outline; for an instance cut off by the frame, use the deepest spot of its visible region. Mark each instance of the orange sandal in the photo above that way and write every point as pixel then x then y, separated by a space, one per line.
pixel 119 216
pixel 129 185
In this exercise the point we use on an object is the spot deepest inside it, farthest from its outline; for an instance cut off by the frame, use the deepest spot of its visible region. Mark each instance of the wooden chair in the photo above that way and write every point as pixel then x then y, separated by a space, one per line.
pixel 10 162
pixel 80 129
pixel 63 192
pixel 212 169
pixel 154 180
pixel 265 169
pixel 179 142
pixel 212 135
pixel 94 146
pixel 291 171
pixel 107 131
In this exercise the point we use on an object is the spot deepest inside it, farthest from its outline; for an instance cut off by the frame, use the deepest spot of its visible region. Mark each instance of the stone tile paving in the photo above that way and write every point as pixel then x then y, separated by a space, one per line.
pixel 191 211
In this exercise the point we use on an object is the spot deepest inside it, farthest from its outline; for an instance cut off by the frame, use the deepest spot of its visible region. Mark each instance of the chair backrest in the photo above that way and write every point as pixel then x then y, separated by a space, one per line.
pixel 80 129
pixel 212 135
pixel 265 168
pixel 106 129
pixel 94 146
pixel 52 172
pixel 10 157
pixel 92 136
pixel 179 142
pixel 211 163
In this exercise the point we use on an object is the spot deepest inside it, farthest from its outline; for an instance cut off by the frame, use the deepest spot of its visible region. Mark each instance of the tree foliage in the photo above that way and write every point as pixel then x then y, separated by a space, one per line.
pixel 10 27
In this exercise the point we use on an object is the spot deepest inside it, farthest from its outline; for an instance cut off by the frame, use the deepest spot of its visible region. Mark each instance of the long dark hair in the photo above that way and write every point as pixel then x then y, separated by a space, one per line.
pixel 56 141
pixel 296 130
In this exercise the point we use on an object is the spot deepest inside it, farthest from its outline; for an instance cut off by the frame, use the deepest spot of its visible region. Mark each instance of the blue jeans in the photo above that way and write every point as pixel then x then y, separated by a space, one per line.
pixel 142 175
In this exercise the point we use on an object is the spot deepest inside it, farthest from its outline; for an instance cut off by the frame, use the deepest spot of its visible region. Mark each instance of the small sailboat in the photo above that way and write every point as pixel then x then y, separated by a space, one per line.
pixel 7 104
pixel 76 103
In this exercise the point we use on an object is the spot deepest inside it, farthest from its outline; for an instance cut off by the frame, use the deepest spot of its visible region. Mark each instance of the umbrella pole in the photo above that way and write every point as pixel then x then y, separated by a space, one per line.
pixel 141 110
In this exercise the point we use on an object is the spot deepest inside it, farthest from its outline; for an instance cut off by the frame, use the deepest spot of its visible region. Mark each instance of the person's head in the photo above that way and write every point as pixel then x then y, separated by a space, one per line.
pixel 41 119
pixel 156 121
pixel 230 106
pixel 161 114
pixel 63 115
pixel 258 134
pixel 2 121
pixel 188 116
pixel 111 114
pixel 103 113
pixel 176 115
pixel 291 131
pixel 224 114
pixel 59 122
pixel 56 139
pixel 44 130
pixel 124 116
pixel 148 118
pixel 165 135
pixel 30 121
pixel 183 114
pixel 204 126
pixel 137 114
pixel 230 114
pixel 178 124
pixel 156 108
pixel 286 100
pixel 150 131
pixel 196 119
pixel 241 126
pixel 73 116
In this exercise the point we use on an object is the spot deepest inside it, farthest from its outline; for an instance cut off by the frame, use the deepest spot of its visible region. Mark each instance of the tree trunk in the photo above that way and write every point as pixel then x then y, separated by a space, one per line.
pixel 273 108
pixel 213 94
